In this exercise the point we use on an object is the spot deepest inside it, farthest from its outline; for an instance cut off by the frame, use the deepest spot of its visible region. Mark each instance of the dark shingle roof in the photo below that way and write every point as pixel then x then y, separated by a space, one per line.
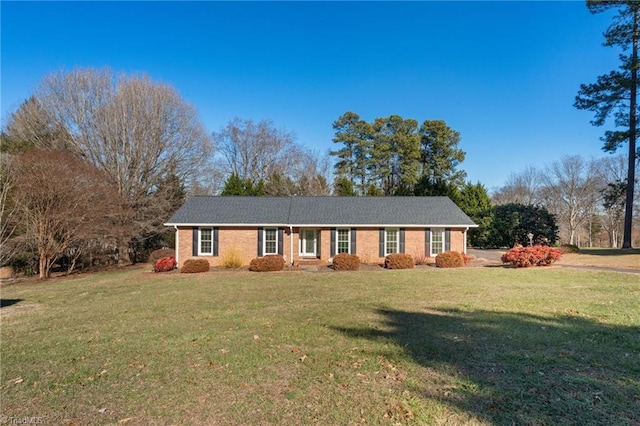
pixel 329 211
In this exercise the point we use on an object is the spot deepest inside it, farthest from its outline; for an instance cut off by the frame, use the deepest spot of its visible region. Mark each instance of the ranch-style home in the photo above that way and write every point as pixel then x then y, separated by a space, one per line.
pixel 311 229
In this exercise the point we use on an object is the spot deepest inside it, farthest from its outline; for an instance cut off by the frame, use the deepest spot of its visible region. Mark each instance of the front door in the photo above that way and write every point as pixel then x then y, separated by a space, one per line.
pixel 308 242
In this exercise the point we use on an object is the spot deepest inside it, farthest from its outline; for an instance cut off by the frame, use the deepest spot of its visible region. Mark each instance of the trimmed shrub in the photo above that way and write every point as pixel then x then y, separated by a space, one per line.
pixel 160 253
pixel 523 257
pixel 232 259
pixel 346 262
pixel 165 264
pixel 269 263
pixel 467 259
pixel 450 259
pixel 192 266
pixel 399 261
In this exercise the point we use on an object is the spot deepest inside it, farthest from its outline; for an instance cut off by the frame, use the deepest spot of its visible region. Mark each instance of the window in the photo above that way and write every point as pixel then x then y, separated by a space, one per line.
pixel 206 241
pixel 343 241
pixel 437 241
pixel 391 241
pixel 270 241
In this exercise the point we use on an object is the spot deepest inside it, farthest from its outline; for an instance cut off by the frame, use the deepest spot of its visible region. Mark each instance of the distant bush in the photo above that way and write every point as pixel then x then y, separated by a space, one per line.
pixel 160 253
pixel 165 264
pixel 269 263
pixel 399 261
pixel 346 262
pixel 450 259
pixel 568 248
pixel 538 255
pixel 192 266
pixel 232 259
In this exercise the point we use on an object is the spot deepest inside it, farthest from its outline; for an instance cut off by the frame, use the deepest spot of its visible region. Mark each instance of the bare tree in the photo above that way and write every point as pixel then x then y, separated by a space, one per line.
pixel 311 173
pixel 523 187
pixel 62 202
pixel 255 151
pixel 612 179
pixel 32 126
pixel 571 190
pixel 139 132
pixel 8 222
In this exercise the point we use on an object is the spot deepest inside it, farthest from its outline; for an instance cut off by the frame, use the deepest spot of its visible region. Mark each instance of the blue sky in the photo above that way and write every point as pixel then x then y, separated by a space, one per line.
pixel 503 74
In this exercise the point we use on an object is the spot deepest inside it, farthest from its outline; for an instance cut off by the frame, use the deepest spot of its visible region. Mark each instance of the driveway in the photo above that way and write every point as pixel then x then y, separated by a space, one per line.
pixel 487 255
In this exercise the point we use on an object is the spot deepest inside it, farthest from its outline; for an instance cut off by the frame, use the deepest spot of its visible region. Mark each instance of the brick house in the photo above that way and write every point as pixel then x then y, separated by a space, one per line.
pixel 302 228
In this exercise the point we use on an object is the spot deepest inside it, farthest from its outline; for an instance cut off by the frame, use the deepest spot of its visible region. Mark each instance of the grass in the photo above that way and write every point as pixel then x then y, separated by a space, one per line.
pixel 423 346
pixel 603 257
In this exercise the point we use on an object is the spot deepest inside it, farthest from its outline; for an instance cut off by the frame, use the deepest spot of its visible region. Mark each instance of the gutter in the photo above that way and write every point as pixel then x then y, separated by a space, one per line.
pixel 291 244
pixel 176 241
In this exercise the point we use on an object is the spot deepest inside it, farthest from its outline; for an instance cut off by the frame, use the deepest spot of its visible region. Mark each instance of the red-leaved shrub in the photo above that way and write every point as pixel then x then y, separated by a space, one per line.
pixel 160 253
pixel 399 261
pixel 192 266
pixel 538 255
pixel 165 264
pixel 269 263
pixel 346 262
pixel 450 259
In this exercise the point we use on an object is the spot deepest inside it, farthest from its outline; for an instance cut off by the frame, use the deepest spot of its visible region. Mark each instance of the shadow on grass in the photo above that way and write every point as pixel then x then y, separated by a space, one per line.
pixel 514 368
pixel 8 302
pixel 608 251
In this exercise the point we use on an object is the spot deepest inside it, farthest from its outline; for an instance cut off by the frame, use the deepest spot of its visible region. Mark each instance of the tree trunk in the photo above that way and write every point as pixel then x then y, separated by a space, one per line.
pixel 631 174
pixel 43 267
pixel 123 253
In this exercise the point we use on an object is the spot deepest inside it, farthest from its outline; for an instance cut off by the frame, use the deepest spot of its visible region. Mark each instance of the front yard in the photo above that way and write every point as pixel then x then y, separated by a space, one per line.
pixel 424 346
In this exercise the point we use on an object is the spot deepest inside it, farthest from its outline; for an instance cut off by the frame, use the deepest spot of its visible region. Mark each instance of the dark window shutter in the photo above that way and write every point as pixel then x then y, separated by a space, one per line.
pixel 318 243
pixel 427 242
pixel 215 242
pixel 194 240
pixel 381 243
pixel 447 239
pixel 353 241
pixel 280 241
pixel 260 236
pixel 333 241
pixel 401 248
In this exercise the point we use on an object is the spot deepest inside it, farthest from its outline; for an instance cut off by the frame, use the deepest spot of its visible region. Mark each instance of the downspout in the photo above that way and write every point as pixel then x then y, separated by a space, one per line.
pixel 465 240
pixel 175 243
pixel 291 243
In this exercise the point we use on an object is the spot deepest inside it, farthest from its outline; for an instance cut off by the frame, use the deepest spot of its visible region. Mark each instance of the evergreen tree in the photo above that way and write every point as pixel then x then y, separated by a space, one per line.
pixel 615 94
pixel 512 223
pixel 343 187
pixel 476 203
pixel 440 152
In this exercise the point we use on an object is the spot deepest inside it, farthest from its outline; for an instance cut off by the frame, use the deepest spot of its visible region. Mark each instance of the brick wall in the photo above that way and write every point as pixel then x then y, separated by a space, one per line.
pixel 245 241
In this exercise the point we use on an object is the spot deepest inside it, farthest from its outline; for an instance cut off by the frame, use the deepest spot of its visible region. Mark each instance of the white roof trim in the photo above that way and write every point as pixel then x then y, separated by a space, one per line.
pixel 324 225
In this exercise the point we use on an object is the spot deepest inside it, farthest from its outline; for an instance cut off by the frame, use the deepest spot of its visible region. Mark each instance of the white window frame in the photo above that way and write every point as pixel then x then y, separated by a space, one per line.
pixel 440 231
pixel 386 239
pixel 264 241
pixel 337 248
pixel 200 241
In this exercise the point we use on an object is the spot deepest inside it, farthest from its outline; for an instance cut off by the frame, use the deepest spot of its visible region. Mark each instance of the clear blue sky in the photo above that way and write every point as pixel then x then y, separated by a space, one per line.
pixel 504 74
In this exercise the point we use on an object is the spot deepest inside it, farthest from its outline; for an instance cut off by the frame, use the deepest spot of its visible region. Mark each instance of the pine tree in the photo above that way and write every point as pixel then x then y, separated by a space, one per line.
pixel 615 94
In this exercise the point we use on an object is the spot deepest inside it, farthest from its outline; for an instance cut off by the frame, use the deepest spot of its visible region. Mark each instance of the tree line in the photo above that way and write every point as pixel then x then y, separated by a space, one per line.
pixel 587 197
pixel 395 156
pixel 93 163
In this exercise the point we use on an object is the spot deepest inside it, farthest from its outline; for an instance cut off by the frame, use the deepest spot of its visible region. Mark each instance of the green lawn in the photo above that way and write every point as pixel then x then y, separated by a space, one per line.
pixel 426 346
